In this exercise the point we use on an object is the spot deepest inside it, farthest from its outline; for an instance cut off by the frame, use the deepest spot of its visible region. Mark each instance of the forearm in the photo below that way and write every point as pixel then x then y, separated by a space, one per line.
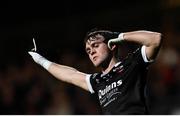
pixel 146 38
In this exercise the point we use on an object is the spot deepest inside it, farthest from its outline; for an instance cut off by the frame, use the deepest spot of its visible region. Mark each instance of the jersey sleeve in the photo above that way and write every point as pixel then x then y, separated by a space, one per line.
pixel 89 82
pixel 144 56
pixel 140 56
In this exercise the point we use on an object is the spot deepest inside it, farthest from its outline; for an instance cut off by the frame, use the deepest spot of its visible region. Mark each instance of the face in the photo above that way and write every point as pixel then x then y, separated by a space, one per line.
pixel 97 50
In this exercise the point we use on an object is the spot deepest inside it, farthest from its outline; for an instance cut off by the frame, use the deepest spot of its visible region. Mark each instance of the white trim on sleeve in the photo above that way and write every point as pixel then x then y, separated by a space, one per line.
pixel 143 53
pixel 88 83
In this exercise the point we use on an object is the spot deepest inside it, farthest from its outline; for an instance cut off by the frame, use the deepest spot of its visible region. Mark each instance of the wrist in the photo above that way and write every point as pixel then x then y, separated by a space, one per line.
pixel 121 36
pixel 44 62
pixel 40 60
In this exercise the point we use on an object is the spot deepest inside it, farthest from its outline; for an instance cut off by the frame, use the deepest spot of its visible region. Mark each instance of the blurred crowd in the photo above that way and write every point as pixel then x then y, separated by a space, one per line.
pixel 164 75
pixel 29 89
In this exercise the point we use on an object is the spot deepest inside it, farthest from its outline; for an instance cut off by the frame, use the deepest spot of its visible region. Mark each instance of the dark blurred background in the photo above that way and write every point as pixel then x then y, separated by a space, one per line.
pixel 59 29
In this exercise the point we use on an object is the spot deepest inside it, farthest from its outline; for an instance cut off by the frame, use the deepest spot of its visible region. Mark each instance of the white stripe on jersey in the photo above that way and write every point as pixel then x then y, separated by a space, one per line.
pixel 88 83
pixel 143 53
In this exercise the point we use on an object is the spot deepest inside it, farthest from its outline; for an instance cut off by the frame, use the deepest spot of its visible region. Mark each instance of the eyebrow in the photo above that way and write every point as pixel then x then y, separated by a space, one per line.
pixel 91 44
pixel 96 40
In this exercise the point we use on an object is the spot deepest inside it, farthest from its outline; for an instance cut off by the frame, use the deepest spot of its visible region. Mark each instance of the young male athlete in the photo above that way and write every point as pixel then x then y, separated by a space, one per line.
pixel 121 83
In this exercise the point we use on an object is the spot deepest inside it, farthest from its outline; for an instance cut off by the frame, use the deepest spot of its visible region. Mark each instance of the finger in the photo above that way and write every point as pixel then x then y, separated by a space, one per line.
pixel 34 43
pixel 109 44
pixel 33 49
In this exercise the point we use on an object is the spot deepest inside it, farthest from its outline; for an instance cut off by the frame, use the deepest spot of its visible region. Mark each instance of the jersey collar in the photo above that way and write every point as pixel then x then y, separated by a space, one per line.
pixel 117 64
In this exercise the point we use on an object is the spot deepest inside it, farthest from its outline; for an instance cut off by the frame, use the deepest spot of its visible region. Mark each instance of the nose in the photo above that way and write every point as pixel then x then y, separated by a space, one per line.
pixel 93 51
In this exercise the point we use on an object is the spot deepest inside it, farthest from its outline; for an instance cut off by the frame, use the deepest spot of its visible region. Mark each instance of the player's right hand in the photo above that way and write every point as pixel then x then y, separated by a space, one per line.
pixel 38 58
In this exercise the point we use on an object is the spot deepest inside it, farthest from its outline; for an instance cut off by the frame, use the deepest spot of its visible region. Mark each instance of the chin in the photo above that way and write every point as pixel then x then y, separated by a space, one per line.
pixel 97 64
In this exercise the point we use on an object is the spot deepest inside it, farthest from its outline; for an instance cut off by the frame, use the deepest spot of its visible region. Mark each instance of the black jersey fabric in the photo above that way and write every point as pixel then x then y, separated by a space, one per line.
pixel 122 90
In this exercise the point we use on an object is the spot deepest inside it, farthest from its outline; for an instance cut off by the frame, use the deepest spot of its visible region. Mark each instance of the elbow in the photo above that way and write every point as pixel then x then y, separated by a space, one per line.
pixel 158 39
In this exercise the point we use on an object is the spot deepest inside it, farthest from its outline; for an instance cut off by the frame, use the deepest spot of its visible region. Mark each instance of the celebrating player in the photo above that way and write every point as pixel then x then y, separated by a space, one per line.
pixel 121 83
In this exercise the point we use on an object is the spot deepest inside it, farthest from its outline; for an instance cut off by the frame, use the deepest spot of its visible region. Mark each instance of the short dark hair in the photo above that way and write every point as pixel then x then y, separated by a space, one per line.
pixel 107 34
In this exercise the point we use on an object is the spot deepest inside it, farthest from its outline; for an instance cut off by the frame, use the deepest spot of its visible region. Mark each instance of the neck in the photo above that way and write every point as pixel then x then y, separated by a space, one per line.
pixel 112 62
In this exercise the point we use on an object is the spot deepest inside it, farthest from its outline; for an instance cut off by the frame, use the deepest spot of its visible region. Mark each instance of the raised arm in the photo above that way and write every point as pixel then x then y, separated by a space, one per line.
pixel 68 74
pixel 151 40
pixel 61 72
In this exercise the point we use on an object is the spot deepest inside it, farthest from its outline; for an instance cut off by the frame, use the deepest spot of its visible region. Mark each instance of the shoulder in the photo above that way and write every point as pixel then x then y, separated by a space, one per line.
pixel 95 77
pixel 92 80
pixel 138 56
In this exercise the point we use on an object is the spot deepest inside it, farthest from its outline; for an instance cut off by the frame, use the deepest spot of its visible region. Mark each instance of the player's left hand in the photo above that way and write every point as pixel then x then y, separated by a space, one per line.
pixel 117 40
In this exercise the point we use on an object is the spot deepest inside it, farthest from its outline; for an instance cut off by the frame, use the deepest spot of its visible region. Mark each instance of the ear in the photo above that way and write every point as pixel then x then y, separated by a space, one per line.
pixel 113 47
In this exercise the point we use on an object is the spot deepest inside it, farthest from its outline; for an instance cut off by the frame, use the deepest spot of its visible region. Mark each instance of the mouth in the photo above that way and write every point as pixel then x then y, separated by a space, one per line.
pixel 94 58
